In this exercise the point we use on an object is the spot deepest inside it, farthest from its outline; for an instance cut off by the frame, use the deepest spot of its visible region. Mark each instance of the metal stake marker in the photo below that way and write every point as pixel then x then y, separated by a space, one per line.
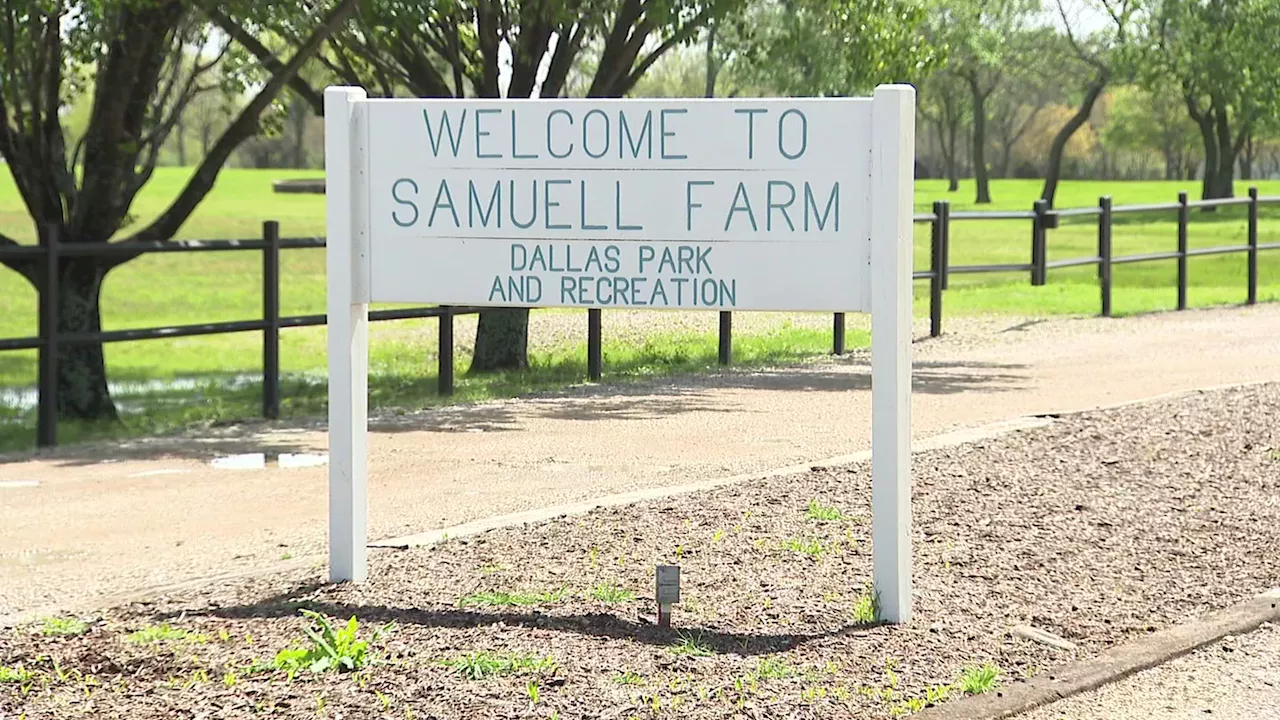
pixel 666 592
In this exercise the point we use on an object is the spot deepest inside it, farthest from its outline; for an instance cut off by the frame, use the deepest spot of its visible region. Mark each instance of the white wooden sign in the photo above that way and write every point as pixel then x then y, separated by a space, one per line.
pixel 773 204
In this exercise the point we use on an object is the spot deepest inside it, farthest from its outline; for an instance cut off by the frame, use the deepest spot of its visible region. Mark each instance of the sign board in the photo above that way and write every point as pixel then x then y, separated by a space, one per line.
pixel 765 204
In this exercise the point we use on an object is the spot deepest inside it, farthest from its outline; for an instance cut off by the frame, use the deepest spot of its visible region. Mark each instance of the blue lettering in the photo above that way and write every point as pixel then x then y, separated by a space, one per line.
pixel 497 290
pixel 586 133
pixel 443 192
pixel 550 151
pixel 454 140
pixel 395 216
pixel 751 128
pixel 533 206
pixel 768 223
pixel 568 289
pixel 662 122
pixel 473 205
pixel 524 257
pixel 548 203
pixel 658 290
pixel 646 136
pixel 582 185
pixel 804 134
pixel 745 206
pixel 617 208
pixel 612 258
pixel 484 133
pixel 514 152
pixel 690 204
pixel 646 255
pixel 833 201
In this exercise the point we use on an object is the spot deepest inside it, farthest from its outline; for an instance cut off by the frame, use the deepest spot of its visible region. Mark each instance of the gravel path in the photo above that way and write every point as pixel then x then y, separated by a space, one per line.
pixel 1099 528
pixel 157 512
pixel 1235 679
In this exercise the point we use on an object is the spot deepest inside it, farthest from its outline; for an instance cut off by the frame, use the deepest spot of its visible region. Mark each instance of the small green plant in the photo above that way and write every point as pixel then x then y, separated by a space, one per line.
pixel 63 627
pixel 610 593
pixel 491 568
pixel 229 678
pixel 774 669
pixel 383 700
pixel 823 513
pixel 906 707
pixel 628 678
pixel 808 546
pixel 531 689
pixel 502 598
pixel 329 648
pixel 164 633
pixel 17 675
pixel 691 644
pixel 978 680
pixel 478 666
pixel 867 609
pixel 286 556
pixel 717 536
pixel 593 556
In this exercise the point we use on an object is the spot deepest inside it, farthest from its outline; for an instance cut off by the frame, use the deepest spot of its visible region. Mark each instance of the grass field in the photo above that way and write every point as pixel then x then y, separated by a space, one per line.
pixel 180 289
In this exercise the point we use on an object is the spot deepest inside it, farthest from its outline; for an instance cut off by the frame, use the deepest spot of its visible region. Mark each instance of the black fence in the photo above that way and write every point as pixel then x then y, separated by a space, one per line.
pixel 50 251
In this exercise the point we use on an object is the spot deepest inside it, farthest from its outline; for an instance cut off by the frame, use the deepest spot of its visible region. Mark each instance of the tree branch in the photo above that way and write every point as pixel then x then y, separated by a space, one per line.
pixel 242 128
pixel 246 39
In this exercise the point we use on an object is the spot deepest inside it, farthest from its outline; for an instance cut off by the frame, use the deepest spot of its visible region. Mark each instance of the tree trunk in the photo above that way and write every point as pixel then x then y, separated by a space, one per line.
pixel 980 174
pixel 1058 149
pixel 82 372
pixel 181 131
pixel 713 68
pixel 1247 158
pixel 502 340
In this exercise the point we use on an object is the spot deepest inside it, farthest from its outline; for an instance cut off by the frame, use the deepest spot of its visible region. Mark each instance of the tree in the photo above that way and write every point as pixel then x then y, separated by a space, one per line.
pixel 1224 55
pixel 828 48
pixel 1031 84
pixel 984 38
pixel 942 104
pixel 131 58
pixel 1155 120
pixel 1098 57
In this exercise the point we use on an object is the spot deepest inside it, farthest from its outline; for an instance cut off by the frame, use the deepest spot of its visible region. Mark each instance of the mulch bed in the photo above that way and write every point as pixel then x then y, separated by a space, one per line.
pixel 1097 528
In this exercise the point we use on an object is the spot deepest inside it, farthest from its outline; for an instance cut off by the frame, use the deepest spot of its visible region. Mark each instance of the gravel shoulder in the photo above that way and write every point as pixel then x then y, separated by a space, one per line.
pixel 1098 528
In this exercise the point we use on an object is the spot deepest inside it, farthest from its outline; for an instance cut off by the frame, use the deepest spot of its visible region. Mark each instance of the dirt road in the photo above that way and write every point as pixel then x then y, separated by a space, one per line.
pixel 157 512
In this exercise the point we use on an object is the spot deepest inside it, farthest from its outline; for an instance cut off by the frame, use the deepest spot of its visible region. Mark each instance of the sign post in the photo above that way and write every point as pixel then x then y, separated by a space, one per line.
pixel 726 205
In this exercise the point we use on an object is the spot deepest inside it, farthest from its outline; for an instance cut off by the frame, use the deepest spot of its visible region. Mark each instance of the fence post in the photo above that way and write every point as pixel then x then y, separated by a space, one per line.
pixel 837 334
pixel 726 337
pixel 1039 232
pixel 1253 247
pixel 1184 217
pixel 444 352
pixel 936 261
pixel 271 320
pixel 47 402
pixel 945 221
pixel 1104 253
pixel 595 358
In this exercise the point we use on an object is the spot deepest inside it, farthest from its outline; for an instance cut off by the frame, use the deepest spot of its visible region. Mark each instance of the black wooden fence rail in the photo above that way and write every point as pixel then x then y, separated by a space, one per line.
pixel 50 251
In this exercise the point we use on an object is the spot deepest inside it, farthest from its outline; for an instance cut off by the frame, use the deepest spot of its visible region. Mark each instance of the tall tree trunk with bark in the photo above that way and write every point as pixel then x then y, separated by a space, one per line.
pixel 981 176
pixel 1058 148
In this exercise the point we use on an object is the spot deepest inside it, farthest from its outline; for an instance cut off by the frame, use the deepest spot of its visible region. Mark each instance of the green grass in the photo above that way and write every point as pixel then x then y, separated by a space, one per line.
pixel 478 666
pixel 175 289
pixel 164 633
pixel 503 598
pixel 610 593
pixel 823 513
pixel 63 627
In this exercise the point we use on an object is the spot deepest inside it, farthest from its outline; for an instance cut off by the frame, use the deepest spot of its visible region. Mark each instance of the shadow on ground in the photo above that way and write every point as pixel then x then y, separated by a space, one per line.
pixel 600 625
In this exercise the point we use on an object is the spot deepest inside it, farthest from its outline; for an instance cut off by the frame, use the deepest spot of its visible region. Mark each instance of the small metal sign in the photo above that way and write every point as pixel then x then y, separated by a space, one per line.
pixel 667 591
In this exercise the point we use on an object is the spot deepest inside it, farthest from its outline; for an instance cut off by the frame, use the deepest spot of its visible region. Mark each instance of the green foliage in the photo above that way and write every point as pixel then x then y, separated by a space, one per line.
pixel 691 644
pixel 628 678
pixel 329 649
pixel 164 633
pixel 827 48
pixel 610 593
pixel 978 680
pixel 17 675
pixel 506 598
pixel 63 626
pixel 775 668
pixel 478 666
pixel 867 610
pixel 823 513
pixel 812 547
